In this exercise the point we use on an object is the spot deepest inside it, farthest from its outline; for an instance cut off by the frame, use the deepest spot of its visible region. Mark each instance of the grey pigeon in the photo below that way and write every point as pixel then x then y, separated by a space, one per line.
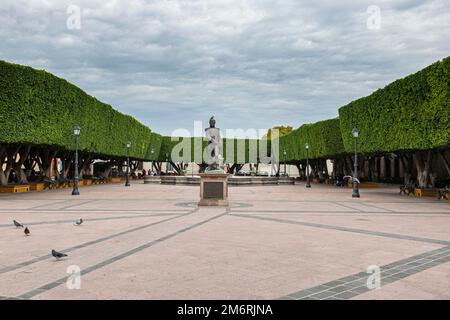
pixel 58 255
pixel 79 222
pixel 26 231
pixel 17 224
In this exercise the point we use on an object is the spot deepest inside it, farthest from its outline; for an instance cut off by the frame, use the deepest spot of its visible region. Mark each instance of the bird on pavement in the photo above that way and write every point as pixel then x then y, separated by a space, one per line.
pixel 17 224
pixel 26 231
pixel 58 255
pixel 79 222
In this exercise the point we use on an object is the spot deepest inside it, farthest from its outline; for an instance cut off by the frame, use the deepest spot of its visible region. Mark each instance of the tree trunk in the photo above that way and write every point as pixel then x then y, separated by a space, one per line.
pixel 444 161
pixel 106 173
pixel 23 155
pixel 3 178
pixel 422 167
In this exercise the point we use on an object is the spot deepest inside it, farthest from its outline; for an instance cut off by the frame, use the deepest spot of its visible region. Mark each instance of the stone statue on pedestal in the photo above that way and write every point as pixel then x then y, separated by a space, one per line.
pixel 214 182
pixel 213 148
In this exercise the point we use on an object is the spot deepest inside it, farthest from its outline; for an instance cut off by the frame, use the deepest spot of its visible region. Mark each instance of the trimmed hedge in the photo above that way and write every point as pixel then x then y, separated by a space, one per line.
pixel 40 109
pixel 324 139
pixel 409 114
pixel 198 144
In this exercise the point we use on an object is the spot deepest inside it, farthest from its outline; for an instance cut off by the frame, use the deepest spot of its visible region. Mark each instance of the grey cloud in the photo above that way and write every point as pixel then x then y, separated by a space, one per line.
pixel 254 64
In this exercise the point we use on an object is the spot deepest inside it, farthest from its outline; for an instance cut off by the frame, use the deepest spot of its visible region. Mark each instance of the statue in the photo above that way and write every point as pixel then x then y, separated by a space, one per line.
pixel 213 148
pixel 214 181
pixel 212 122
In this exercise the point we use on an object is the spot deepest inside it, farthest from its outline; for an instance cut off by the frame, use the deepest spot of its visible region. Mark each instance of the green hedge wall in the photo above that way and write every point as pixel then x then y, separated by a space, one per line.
pixel 409 114
pixel 198 144
pixel 324 139
pixel 37 108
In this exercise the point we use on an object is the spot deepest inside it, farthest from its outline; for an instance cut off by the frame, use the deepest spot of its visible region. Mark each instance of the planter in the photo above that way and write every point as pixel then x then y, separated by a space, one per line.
pixel 14 189
pixel 369 185
pixel 37 186
pixel 425 192
pixel 115 180
pixel 365 185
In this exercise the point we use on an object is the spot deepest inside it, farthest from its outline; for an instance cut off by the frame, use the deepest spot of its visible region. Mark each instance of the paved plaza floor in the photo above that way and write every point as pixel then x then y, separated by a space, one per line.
pixel 274 242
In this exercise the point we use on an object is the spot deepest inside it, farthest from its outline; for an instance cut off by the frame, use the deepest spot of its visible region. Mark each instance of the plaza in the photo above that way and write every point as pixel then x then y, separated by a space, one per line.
pixel 252 152
pixel 152 241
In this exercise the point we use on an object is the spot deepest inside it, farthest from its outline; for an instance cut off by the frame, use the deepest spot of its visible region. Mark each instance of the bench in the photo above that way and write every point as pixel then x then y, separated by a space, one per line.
pixel 425 192
pixel 407 189
pixel 50 184
pixel 14 188
pixel 444 194
pixel 37 186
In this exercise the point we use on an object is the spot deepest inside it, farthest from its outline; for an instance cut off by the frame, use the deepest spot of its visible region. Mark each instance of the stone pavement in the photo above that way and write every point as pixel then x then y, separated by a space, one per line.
pixel 274 242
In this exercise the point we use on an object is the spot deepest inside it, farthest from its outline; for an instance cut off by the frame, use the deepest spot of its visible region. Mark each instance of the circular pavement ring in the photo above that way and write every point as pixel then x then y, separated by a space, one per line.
pixel 195 205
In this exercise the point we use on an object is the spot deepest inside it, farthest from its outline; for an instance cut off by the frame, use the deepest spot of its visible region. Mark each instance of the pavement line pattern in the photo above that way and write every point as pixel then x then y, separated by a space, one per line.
pixel 83 211
pixel 89 219
pixel 376 207
pixel 345 229
pixel 363 204
pixel 48 204
pixel 356 284
pixel 124 255
pixel 77 204
pixel 328 211
pixel 89 243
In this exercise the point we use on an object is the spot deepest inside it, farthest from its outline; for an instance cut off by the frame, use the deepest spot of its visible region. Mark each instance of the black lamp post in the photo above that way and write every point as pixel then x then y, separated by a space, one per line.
pixel 284 154
pixel 127 181
pixel 153 162
pixel 167 163
pixel 308 182
pixel 76 133
pixel 355 193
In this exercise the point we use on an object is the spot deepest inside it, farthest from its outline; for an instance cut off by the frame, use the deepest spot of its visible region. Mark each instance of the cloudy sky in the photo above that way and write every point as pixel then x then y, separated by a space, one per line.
pixel 251 63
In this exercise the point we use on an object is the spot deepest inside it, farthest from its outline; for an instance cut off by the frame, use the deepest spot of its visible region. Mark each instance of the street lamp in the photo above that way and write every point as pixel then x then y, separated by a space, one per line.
pixel 308 182
pixel 153 162
pixel 284 153
pixel 167 163
pixel 76 133
pixel 355 193
pixel 127 181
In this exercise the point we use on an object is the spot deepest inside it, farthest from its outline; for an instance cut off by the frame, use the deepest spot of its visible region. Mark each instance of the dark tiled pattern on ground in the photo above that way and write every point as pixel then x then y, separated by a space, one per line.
pixel 356 284
pixel 345 229
pixel 126 254
pixel 89 243
pixel 89 219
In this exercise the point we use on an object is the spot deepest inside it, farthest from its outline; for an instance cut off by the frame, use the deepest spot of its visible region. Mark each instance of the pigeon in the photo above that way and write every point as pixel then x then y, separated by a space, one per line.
pixel 17 224
pixel 79 222
pixel 58 255
pixel 26 231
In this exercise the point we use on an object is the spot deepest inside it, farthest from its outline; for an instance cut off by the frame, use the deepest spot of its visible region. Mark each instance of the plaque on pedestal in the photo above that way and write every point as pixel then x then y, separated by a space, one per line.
pixel 213 189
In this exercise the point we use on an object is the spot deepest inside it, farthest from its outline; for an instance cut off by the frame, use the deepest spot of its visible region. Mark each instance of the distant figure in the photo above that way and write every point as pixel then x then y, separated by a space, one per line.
pixel 144 173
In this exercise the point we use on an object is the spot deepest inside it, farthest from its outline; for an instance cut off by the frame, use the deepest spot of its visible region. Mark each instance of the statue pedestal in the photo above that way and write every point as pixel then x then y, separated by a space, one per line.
pixel 213 189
